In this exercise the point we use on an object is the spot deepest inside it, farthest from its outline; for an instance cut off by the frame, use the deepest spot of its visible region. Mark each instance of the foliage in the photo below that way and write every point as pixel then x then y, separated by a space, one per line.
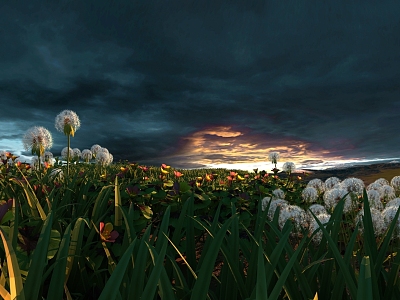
pixel 203 235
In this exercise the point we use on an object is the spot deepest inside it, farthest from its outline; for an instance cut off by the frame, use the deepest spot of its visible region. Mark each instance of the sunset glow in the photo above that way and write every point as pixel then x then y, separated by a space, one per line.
pixel 230 147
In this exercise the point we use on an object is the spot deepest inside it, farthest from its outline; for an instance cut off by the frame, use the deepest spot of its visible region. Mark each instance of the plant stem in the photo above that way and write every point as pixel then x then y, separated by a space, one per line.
pixel 69 142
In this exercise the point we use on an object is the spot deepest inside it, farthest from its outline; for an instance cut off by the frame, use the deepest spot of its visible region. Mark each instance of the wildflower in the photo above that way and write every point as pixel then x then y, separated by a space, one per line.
pixel 374 199
pixel 107 234
pixel 273 157
pixel 317 184
pixel 323 218
pixel 164 166
pixel 378 222
pixel 278 194
pixel 289 167
pixel 48 157
pixel 309 194
pixel 3 155
pixel 394 202
pixel 395 183
pixel 388 215
pixel 95 148
pixel 66 153
pixel 274 205
pixel 144 168
pixel 333 196
pixel 67 122
pixel 37 139
pixel 208 177
pixel 56 174
pixel 103 158
pixel 374 186
pixel 382 181
pixel 388 193
pixel 316 209
pixel 331 182
pixel 240 178
pixel 352 184
pixel 177 174
pixel 294 213
pixel 86 155
pixel 77 153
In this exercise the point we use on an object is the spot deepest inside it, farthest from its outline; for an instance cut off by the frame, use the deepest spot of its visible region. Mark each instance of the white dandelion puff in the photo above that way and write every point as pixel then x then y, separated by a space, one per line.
pixel 87 155
pixel 294 213
pixel 382 181
pixel 316 209
pixel 309 194
pixel 377 221
pixel 273 157
pixel 77 153
pixel 395 183
pixel 37 139
pixel 317 184
pixel 331 182
pixel 388 193
pixel 103 158
pixel 374 199
pixel 64 152
pixel 323 218
pixel 289 167
pixel 67 122
pixel 3 155
pixel 353 184
pixel 95 148
pixel 278 194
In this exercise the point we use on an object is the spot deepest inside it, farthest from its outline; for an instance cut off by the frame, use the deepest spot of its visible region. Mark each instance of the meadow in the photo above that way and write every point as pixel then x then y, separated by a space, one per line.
pixel 96 229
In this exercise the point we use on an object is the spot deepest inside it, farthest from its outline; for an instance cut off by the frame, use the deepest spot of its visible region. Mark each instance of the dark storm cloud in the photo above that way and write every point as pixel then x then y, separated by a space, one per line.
pixel 144 76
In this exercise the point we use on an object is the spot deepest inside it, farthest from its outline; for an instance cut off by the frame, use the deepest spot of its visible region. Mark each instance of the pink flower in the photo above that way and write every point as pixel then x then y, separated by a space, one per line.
pixel 107 234
pixel 178 174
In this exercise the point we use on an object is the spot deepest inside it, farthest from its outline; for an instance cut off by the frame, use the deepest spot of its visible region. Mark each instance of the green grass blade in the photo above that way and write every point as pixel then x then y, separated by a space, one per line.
pixel 203 281
pixel 111 289
pixel 33 281
pixel 56 287
pixel 117 204
pixel 261 286
pixel 284 275
pixel 158 260
pixel 14 274
pixel 351 285
pixel 365 281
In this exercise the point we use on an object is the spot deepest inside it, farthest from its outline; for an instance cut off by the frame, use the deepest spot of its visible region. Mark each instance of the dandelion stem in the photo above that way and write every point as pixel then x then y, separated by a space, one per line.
pixel 68 147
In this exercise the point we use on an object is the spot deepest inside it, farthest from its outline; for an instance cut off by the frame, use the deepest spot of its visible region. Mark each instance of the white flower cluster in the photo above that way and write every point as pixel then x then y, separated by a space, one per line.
pixel 381 198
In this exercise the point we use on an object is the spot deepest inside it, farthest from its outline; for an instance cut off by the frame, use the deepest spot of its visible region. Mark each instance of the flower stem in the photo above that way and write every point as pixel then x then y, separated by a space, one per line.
pixel 69 142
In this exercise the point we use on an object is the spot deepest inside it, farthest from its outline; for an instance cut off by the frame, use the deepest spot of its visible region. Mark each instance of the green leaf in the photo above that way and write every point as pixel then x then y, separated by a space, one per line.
pixel 39 261
pixel 111 290
pixel 364 280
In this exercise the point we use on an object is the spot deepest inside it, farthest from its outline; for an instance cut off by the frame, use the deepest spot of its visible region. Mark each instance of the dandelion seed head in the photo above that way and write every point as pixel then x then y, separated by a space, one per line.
pixel 56 174
pixel 395 183
pixel 316 209
pixel 388 193
pixel 64 152
pixel 331 182
pixel 377 221
pixel 317 184
pixel 274 205
pixel 103 158
pixel 273 157
pixel 87 154
pixel 382 181
pixel 95 148
pixel 394 202
pixel 77 153
pixel 37 139
pixel 294 213
pixel 3 155
pixel 374 199
pixel 353 184
pixel 309 194
pixel 264 202
pixel 67 117
pixel 324 219
pixel 278 194
pixel 289 167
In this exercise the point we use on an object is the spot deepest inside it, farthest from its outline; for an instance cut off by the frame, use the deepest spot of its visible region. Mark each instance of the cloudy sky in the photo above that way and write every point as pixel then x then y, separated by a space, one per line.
pixel 205 83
